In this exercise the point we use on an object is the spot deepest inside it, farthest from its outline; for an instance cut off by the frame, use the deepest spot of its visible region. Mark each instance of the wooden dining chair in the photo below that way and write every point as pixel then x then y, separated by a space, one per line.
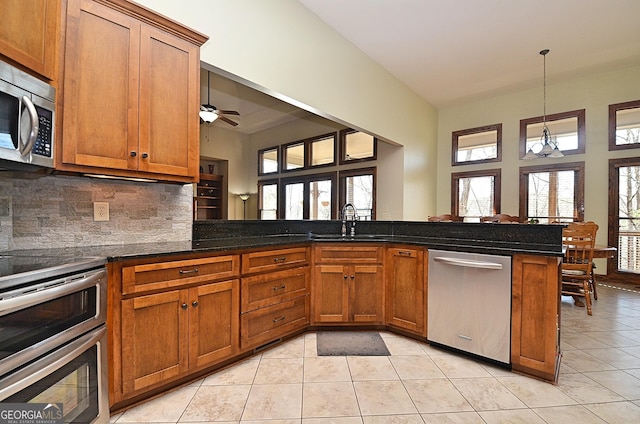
pixel 590 226
pixel 500 217
pixel 577 264
pixel 446 218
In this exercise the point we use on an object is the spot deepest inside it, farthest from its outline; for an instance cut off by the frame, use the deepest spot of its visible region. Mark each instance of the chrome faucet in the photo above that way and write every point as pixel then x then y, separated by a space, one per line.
pixel 343 215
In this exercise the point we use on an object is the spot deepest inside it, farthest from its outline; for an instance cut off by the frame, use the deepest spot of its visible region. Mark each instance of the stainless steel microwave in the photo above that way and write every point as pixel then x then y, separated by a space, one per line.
pixel 27 119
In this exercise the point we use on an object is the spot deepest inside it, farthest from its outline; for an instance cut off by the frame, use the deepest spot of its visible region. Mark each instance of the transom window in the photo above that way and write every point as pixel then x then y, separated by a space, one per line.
pixel 624 125
pixel 482 144
pixel 475 194
pixel 357 146
pixel 567 131
pixel 553 193
pixel 268 161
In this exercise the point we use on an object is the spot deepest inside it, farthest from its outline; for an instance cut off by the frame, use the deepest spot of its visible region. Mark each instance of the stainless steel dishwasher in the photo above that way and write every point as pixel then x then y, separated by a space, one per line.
pixel 469 303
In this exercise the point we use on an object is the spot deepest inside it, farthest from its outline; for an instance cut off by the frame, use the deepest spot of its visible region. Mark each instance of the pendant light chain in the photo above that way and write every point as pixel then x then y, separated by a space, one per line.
pixel 544 87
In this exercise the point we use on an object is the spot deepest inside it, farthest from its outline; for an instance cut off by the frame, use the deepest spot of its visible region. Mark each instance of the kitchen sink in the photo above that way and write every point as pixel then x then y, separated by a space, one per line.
pixel 338 237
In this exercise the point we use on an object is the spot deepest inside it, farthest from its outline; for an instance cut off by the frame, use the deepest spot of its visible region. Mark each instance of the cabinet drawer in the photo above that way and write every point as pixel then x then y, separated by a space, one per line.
pixel 274 287
pixel 267 324
pixel 161 275
pixel 348 254
pixel 270 260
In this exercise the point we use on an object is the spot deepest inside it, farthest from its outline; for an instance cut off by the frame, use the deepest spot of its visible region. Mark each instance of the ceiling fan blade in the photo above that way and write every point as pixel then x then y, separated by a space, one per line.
pixel 227 120
pixel 229 112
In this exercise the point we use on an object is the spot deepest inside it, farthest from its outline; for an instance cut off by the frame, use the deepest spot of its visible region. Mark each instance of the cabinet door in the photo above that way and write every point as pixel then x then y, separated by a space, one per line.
pixel 214 328
pixel 169 104
pixel 33 44
pixel 154 339
pixel 100 124
pixel 365 293
pixel 405 289
pixel 331 295
pixel 535 315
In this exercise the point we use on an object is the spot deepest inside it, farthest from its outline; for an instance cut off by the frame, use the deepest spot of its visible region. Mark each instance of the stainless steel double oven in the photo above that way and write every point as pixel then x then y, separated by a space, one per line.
pixel 53 343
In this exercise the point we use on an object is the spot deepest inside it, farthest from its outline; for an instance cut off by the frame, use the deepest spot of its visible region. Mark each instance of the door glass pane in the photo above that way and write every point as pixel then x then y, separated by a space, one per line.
pixel 359 192
pixel 628 220
pixel 294 196
pixel 320 200
pixel 269 201
pixel 628 126
pixel 551 196
pixel 476 197
pixel 322 151
pixel 294 156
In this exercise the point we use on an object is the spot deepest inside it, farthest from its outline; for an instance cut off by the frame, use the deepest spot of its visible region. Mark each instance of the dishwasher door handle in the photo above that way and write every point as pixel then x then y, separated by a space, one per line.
pixel 467 263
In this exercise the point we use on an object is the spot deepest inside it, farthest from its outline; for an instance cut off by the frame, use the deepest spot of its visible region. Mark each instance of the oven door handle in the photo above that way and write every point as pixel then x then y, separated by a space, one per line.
pixel 28 129
pixel 467 263
pixel 48 364
pixel 58 289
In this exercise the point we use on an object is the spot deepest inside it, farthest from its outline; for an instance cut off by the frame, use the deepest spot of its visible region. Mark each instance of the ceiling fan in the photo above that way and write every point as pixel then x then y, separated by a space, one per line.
pixel 209 113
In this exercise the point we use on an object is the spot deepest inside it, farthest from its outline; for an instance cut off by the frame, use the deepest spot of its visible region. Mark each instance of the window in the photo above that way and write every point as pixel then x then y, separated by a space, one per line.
pixel 475 194
pixel 624 211
pixel 624 125
pixel 322 150
pixel 552 193
pixel 474 145
pixel 268 161
pixel 567 131
pixel 357 146
pixel 358 187
pixel 268 199
pixel 310 197
pixel 293 155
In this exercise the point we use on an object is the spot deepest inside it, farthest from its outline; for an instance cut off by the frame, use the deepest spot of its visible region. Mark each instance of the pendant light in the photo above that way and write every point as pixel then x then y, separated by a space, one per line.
pixel 549 146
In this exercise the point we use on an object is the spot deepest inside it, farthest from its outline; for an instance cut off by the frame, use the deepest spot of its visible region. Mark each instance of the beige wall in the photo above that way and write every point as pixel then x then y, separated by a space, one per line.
pixel 594 93
pixel 281 46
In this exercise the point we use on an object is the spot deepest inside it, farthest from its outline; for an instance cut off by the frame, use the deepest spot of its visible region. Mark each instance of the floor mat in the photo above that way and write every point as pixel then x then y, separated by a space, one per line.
pixel 350 343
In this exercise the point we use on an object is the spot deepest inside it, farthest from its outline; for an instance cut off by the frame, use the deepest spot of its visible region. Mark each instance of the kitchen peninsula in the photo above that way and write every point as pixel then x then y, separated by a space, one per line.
pixel 181 310
pixel 178 311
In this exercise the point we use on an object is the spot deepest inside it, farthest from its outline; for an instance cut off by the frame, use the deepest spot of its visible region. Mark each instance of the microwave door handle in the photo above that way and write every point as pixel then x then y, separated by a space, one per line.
pixel 29 127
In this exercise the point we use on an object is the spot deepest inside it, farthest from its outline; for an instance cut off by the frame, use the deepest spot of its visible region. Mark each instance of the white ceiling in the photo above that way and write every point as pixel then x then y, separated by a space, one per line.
pixel 453 51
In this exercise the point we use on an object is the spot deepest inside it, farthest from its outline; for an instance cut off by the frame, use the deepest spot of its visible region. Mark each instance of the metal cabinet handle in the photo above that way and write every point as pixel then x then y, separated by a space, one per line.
pixel 345 277
pixel 188 271
pixel 280 259
pixel 279 287
pixel 145 155
pixel 184 306
pixel 404 253
pixel 353 276
pixel 278 319
pixel 133 154
pixel 194 303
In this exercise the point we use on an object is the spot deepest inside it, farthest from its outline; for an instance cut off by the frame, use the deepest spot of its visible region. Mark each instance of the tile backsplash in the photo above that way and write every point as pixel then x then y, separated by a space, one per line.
pixel 39 211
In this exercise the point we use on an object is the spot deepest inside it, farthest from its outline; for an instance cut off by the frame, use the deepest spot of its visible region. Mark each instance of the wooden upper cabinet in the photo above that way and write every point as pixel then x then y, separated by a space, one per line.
pixel 29 34
pixel 131 93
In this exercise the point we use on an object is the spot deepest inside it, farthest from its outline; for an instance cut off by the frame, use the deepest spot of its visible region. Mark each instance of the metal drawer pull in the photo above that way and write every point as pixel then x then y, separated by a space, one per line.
pixel 280 259
pixel 189 271
pixel 194 303
pixel 278 319
pixel 279 287
pixel 184 306
pixel 404 253
pixel 464 337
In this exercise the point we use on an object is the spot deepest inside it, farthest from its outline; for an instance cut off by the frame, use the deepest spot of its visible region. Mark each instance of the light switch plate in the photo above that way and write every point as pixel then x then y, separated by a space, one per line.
pixel 100 211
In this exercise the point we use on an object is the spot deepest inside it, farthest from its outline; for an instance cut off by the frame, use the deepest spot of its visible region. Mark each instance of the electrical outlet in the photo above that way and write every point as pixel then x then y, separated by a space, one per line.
pixel 100 211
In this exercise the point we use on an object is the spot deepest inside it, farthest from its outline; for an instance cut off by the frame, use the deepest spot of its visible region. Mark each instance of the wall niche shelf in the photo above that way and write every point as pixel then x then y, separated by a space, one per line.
pixel 208 202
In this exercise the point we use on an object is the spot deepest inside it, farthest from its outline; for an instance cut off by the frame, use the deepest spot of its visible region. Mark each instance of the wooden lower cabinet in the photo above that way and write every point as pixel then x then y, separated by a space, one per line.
pixel 406 289
pixel 166 335
pixel 535 315
pixel 348 294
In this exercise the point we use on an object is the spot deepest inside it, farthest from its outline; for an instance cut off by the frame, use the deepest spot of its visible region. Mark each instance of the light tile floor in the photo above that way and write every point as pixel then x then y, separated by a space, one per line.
pixel 599 382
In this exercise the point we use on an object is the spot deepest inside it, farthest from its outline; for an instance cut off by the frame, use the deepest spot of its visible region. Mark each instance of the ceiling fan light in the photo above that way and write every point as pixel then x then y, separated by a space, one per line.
pixel 207 115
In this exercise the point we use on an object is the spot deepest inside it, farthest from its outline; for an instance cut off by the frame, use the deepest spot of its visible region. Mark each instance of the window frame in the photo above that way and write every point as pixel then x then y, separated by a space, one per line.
pixel 343 147
pixel 578 201
pixel 261 184
pixel 496 173
pixel 455 135
pixel 613 124
pixel 342 177
pixel 579 114
pixel 308 152
pixel 305 180
pixel 261 161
